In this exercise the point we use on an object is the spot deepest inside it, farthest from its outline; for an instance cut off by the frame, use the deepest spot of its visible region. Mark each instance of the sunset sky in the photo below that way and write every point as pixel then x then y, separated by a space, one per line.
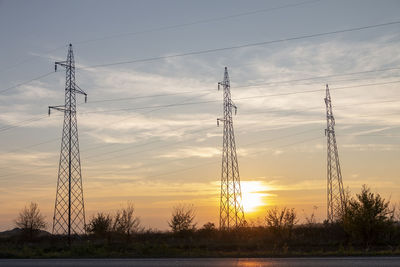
pixel 148 133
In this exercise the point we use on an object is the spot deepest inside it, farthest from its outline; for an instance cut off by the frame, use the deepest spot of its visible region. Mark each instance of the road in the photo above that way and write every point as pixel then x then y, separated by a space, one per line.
pixel 250 262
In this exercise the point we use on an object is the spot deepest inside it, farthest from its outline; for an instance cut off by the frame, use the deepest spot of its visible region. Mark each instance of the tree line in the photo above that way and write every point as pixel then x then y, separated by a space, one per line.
pixel 368 220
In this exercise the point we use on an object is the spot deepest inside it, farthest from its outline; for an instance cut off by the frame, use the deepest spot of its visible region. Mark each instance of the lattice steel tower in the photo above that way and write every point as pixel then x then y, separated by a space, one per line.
pixel 336 196
pixel 231 207
pixel 69 211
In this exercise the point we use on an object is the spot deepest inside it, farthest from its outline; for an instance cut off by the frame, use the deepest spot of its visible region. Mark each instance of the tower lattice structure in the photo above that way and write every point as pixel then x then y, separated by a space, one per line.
pixel 335 190
pixel 69 210
pixel 231 207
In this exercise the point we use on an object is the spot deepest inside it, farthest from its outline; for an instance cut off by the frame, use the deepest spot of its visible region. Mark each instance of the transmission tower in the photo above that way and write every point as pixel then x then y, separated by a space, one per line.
pixel 336 196
pixel 69 211
pixel 231 208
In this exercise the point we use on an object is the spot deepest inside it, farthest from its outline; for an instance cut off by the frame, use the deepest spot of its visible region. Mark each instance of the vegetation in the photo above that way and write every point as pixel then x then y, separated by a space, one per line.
pixel 31 221
pixel 368 218
pixel 182 219
pixel 281 223
pixel 124 223
pixel 100 225
pixel 367 227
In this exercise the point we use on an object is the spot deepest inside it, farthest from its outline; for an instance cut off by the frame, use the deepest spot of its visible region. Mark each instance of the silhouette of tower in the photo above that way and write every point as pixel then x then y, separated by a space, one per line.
pixel 231 208
pixel 336 196
pixel 69 211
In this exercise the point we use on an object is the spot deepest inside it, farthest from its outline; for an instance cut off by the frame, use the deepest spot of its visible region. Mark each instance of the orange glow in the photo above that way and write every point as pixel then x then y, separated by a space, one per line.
pixel 253 195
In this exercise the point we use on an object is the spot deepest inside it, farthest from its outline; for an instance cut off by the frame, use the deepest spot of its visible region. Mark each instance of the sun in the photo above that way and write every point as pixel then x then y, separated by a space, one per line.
pixel 253 195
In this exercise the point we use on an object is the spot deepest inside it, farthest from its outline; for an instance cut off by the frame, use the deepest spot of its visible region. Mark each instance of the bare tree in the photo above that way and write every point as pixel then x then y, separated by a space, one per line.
pixel 125 221
pixel 182 219
pixel 30 220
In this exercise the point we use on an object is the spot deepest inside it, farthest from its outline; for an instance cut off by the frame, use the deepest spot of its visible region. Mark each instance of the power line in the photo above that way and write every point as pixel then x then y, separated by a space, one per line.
pixel 243 86
pixel 23 123
pixel 241 98
pixel 40 167
pixel 248 144
pixel 203 21
pixel 29 81
pixel 319 77
pixel 20 123
pixel 213 161
pixel 29 59
pixel 210 162
pixel 177 171
pixel 267 140
pixel 243 45
pixel 33 145
pixel 30 146
pixel 136 152
pixel 141 151
pixel 159 107
pixel 187 92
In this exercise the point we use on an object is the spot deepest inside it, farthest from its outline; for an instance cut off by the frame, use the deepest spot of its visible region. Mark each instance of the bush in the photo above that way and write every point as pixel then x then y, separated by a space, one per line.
pixel 281 222
pixel 367 217
pixel 182 219
pixel 100 225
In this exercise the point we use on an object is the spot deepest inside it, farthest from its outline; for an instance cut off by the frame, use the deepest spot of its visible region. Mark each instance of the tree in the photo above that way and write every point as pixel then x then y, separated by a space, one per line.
pixel 182 219
pixel 100 225
pixel 208 226
pixel 281 222
pixel 30 220
pixel 367 217
pixel 125 221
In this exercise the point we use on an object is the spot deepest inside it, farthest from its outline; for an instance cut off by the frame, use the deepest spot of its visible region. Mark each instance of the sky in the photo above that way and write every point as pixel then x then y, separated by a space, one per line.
pixel 148 133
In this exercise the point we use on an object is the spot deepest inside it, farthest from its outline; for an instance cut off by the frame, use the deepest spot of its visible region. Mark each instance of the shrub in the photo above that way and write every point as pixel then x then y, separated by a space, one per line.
pixel 281 223
pixel 367 217
pixel 182 219
pixel 100 225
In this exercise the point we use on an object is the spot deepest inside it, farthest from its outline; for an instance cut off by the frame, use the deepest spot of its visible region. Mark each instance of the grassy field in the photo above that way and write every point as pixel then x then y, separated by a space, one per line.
pixel 304 240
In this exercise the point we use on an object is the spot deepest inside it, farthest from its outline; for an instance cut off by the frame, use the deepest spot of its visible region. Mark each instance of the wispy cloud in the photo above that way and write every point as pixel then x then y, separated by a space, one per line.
pixel 201 152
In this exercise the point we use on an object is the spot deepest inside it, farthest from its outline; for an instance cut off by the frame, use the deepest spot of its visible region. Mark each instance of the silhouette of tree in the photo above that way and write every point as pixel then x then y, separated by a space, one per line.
pixel 100 225
pixel 30 220
pixel 208 226
pixel 182 219
pixel 367 216
pixel 281 222
pixel 125 221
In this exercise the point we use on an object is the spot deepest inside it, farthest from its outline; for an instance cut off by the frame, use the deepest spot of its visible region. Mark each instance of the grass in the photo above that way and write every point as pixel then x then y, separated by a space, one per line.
pixel 307 241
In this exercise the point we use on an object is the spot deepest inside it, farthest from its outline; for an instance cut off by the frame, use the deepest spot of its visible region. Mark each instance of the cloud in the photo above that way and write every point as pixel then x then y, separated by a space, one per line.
pixel 109 128
pixel 372 147
pixel 26 158
pixel 201 152
pixel 35 90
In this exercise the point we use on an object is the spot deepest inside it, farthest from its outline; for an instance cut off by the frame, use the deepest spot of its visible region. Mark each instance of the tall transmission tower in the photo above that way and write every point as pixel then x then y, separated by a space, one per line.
pixel 231 207
pixel 336 196
pixel 69 211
